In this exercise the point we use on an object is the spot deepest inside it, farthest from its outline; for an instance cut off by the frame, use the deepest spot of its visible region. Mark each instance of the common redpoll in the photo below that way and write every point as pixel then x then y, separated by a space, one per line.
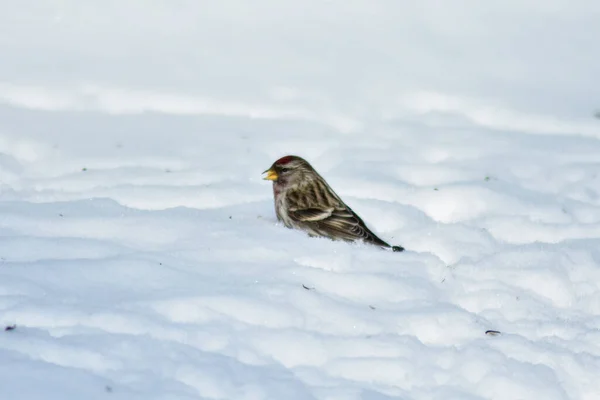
pixel 303 200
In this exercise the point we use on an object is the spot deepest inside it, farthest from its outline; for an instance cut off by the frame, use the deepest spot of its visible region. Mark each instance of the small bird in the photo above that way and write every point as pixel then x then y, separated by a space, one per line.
pixel 303 200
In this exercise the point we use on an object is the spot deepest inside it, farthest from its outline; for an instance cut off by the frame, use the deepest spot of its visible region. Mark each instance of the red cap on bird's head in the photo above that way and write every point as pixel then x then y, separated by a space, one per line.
pixel 285 160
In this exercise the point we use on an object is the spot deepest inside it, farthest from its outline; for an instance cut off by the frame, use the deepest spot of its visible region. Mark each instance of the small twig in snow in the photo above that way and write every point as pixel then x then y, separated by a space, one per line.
pixel 493 333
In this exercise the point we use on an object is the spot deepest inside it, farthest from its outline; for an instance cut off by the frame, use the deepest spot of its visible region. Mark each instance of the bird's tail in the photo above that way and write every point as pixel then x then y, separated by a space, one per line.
pixel 377 241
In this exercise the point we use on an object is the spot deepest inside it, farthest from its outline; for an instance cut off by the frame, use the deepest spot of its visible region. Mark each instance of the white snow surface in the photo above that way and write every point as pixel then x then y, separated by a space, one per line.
pixel 140 257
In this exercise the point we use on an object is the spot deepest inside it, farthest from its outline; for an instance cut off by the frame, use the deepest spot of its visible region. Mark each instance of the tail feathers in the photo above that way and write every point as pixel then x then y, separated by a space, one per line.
pixel 377 241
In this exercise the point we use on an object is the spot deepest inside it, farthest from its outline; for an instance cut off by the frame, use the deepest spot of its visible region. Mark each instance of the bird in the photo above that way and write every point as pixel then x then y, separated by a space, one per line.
pixel 304 201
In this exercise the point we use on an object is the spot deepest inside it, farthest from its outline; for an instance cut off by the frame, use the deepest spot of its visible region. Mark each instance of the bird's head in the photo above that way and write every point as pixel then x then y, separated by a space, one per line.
pixel 289 171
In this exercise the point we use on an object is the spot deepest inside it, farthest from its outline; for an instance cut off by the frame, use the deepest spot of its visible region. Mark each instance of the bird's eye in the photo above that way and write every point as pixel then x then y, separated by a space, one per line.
pixel 285 169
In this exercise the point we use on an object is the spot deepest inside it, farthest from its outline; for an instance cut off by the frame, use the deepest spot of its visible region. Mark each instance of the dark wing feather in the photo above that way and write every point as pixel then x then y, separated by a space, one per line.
pixel 345 224
pixel 328 216
pixel 310 214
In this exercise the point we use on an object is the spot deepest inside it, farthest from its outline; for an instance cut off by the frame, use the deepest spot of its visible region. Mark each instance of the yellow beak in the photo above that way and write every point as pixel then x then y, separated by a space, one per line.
pixel 271 175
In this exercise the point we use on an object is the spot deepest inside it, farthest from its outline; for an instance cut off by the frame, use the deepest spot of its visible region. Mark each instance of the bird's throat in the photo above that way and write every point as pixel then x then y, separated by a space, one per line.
pixel 277 189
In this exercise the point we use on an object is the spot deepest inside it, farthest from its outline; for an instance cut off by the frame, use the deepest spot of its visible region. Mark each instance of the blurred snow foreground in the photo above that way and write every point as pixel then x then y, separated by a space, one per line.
pixel 140 257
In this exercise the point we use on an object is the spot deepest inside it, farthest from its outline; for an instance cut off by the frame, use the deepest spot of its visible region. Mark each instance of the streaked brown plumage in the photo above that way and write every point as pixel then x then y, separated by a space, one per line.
pixel 303 200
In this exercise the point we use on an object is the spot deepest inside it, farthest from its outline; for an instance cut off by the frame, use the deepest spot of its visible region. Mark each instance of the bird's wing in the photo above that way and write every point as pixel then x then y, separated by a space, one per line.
pixel 335 220
pixel 345 224
pixel 310 214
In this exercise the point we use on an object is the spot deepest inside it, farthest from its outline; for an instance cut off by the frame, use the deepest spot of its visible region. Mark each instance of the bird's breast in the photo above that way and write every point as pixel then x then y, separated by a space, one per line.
pixel 281 208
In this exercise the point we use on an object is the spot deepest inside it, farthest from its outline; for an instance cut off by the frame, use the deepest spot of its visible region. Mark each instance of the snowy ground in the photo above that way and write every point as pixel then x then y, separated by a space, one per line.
pixel 140 257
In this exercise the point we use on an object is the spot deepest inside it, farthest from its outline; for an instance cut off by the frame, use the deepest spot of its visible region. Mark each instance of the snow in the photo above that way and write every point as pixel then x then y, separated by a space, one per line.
pixel 140 257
